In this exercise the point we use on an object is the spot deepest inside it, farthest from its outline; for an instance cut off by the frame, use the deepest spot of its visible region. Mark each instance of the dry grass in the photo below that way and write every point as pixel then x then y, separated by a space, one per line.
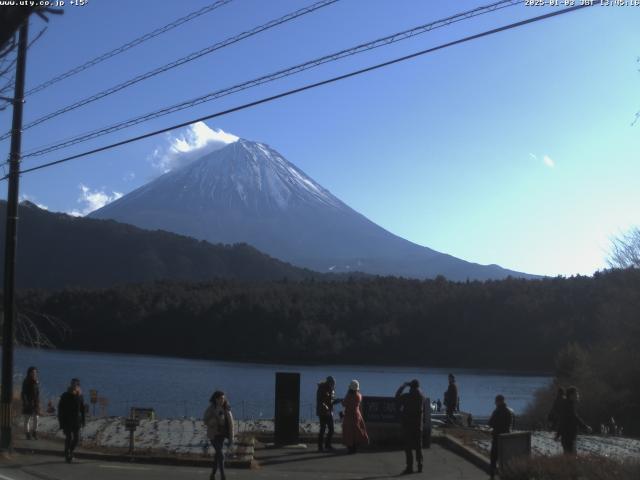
pixel 564 467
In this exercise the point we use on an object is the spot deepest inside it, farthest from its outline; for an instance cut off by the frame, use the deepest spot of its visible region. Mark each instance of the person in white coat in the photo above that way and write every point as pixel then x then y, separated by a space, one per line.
pixel 219 423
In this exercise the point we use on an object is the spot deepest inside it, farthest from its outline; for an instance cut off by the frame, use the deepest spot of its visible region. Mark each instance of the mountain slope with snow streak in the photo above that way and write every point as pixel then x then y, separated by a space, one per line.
pixel 248 192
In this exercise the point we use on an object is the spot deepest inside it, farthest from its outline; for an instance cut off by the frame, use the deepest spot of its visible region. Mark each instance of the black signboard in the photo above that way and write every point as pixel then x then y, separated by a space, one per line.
pixel 387 410
pixel 142 413
pixel 131 423
pixel 380 410
pixel 287 414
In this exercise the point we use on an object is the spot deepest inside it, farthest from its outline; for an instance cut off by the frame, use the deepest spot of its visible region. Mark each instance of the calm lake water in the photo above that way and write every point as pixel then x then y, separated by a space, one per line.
pixel 178 387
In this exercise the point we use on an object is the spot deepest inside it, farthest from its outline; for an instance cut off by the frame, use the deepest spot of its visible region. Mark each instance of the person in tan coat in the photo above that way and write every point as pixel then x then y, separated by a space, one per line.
pixel 354 430
pixel 219 422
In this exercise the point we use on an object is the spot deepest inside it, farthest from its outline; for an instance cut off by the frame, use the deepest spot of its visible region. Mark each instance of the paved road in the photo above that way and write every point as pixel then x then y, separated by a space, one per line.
pixel 274 464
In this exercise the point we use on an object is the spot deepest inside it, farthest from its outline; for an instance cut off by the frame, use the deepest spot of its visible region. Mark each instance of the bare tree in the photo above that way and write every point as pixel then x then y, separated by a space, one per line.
pixel 625 250
pixel 10 20
pixel 7 70
pixel 36 330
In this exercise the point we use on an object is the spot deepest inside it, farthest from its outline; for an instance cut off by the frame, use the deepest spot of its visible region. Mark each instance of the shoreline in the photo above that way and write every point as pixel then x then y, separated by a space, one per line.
pixel 265 363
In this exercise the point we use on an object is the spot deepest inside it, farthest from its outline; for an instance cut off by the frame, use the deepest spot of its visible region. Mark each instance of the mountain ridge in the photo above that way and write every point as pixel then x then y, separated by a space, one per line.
pixel 248 192
pixel 57 250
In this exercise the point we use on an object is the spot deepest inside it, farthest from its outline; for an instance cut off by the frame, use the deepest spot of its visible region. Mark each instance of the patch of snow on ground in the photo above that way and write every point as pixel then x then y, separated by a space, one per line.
pixel 182 436
pixel 543 443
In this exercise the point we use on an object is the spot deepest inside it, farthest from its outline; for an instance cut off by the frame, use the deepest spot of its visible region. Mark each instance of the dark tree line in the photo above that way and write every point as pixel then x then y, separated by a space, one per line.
pixel 508 324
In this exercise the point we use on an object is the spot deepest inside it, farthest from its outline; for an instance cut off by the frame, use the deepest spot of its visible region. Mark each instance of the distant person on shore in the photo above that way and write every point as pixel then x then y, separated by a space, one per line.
pixel 412 419
pixel 325 400
pixel 570 422
pixel 354 431
pixel 71 417
pixel 219 421
pixel 30 396
pixel 500 422
pixel 451 397
pixel 556 411
pixel 438 406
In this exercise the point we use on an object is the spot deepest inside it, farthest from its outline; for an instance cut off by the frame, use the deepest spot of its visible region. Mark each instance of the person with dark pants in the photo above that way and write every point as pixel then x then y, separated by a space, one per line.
pixel 325 400
pixel 219 421
pixel 570 422
pixel 451 398
pixel 71 417
pixel 30 396
pixel 412 417
pixel 500 422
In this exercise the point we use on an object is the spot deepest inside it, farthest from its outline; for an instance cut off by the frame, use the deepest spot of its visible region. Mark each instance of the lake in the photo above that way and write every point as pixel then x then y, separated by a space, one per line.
pixel 177 387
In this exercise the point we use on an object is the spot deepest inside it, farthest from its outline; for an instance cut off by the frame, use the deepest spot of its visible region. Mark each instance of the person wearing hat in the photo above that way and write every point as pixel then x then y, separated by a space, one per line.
pixel 325 400
pixel 354 431
pixel 412 418
pixel 71 417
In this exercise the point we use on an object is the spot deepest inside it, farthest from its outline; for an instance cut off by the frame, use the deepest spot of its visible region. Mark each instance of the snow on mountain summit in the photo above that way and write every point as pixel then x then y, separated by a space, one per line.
pixel 253 174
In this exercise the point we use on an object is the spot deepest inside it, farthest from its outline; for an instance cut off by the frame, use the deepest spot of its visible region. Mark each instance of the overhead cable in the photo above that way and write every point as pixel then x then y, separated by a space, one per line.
pixel 311 86
pixel 176 63
pixel 274 76
pixel 128 45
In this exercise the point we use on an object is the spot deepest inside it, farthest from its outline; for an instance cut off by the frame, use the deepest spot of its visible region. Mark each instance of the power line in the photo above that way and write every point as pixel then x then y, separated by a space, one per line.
pixel 129 45
pixel 275 76
pixel 176 63
pixel 313 85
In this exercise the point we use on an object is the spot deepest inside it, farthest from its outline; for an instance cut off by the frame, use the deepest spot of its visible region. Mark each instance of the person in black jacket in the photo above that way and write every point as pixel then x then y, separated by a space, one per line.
pixel 325 400
pixel 451 397
pixel 71 417
pixel 569 422
pixel 412 418
pixel 500 422
pixel 30 396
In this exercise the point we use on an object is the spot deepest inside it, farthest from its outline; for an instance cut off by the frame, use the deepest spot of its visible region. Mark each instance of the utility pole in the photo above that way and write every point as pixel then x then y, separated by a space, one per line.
pixel 11 244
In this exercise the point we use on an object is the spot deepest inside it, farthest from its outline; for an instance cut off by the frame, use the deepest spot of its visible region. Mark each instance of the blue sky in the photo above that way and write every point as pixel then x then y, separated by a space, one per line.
pixel 516 149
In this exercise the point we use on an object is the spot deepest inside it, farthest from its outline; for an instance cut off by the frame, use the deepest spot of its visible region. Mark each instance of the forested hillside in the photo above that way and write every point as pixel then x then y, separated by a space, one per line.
pixel 56 250
pixel 507 324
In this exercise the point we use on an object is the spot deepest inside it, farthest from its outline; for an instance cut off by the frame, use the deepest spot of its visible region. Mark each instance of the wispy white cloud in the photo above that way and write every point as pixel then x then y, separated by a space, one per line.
pixel 194 142
pixel 548 161
pixel 91 200
pixel 128 176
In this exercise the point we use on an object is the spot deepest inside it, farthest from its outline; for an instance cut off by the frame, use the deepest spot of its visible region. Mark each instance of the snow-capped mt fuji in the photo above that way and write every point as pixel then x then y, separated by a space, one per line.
pixel 253 176
pixel 248 192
